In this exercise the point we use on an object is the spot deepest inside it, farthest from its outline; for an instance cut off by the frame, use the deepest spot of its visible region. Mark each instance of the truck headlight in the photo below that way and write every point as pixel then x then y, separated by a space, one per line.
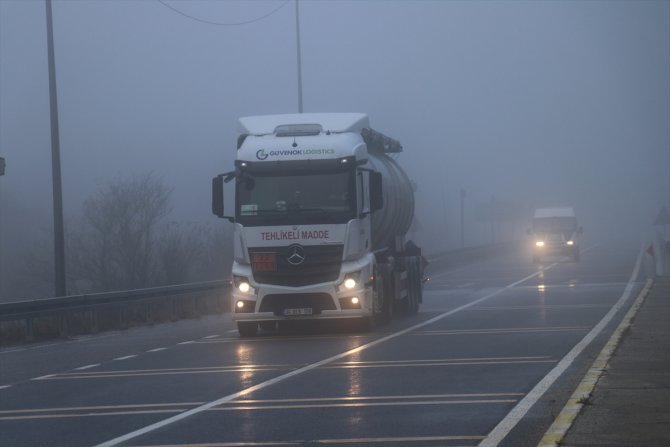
pixel 242 284
pixel 539 244
pixel 350 281
pixel 570 242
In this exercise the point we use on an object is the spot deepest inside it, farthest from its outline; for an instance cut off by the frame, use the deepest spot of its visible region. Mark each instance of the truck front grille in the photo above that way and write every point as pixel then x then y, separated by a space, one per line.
pixel 321 264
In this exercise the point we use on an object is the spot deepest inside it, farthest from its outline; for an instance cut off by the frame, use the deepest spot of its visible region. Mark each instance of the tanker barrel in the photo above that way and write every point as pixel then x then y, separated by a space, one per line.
pixel 395 218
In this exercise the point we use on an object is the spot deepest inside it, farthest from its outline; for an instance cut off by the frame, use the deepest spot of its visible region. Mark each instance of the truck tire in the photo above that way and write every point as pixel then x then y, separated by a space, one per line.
pixel 414 283
pixel 385 289
pixel 410 304
pixel 247 328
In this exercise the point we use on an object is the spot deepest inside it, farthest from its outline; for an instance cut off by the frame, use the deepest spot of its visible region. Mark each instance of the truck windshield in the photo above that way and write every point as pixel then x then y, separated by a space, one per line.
pixel 295 198
pixel 554 224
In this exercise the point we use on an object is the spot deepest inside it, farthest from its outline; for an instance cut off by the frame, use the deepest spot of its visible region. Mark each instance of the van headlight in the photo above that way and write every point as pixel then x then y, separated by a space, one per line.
pixel 570 242
pixel 539 243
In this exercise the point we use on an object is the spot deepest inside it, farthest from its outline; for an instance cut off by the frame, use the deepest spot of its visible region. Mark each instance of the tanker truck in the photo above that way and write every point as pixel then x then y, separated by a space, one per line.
pixel 321 217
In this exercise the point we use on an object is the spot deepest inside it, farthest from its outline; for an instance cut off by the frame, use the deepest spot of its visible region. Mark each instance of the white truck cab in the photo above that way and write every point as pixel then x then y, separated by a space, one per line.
pixel 320 215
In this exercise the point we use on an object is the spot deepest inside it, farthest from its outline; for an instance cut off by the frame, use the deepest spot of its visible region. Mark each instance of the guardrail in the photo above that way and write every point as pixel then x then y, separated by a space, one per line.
pixel 27 321
pixel 91 313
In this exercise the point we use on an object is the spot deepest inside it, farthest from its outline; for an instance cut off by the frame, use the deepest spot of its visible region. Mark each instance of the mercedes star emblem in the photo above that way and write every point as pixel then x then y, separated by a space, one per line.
pixel 296 254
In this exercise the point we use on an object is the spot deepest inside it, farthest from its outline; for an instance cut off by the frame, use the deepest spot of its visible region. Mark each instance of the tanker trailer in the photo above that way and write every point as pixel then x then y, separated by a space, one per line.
pixel 320 218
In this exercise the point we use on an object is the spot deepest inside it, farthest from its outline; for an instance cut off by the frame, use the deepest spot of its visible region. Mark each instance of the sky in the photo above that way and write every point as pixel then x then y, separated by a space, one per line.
pixel 528 103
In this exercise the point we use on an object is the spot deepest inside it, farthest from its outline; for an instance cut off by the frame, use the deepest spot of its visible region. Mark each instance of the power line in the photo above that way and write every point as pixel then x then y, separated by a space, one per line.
pixel 209 22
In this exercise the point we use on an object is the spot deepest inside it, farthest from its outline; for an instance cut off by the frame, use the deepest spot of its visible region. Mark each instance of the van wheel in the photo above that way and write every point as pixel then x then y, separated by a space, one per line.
pixel 247 328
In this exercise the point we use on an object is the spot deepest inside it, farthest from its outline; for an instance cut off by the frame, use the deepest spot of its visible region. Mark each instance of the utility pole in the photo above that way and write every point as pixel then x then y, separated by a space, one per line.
pixel 59 238
pixel 297 35
pixel 463 193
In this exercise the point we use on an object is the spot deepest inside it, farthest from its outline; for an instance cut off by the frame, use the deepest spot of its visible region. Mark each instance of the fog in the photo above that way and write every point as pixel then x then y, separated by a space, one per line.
pixel 519 103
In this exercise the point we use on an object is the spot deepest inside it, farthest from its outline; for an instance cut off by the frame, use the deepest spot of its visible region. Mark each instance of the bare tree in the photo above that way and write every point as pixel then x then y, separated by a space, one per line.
pixel 194 252
pixel 117 244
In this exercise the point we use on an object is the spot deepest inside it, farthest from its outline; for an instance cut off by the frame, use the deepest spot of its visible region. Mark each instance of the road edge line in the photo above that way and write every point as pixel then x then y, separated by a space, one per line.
pixel 507 424
pixel 563 422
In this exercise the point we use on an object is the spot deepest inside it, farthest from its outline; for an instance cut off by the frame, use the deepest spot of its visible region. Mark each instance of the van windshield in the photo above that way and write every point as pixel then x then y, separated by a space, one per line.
pixel 554 225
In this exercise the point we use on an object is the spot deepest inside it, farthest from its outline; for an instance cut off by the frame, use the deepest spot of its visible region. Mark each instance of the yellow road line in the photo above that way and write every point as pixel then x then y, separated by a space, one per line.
pixel 557 431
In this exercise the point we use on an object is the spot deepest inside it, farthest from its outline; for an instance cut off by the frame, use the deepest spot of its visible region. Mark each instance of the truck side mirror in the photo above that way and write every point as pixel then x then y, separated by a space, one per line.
pixel 217 195
pixel 376 192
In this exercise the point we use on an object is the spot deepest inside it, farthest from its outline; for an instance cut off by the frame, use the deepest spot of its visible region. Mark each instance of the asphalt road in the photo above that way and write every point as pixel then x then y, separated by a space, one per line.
pixel 495 351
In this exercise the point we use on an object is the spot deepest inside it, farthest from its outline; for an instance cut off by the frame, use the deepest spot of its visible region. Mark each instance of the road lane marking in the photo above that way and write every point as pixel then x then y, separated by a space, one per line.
pixel 502 331
pixel 264 404
pixel 506 425
pixel 402 440
pixel 244 392
pixel 373 398
pixel 186 342
pixel 156 349
pixel 2 387
pixel 82 368
pixel 460 359
pixel 241 407
pixel 280 367
pixel 540 307
pixel 101 407
pixel 83 415
pixel 125 357
pixel 212 336
pixel 557 431
pixel 48 376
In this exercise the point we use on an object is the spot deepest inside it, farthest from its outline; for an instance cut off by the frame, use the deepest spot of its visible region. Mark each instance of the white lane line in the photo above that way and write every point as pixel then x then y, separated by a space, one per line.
pixel 186 342
pixel 225 399
pixel 582 393
pixel 506 425
pixel 212 336
pixel 48 376
pixel 81 368
pixel 232 331
pixel 125 357
pixel 2 387
pixel 156 349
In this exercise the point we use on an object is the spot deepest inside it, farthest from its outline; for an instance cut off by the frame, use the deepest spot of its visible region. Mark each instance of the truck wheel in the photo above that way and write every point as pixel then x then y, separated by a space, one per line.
pixel 247 328
pixel 385 289
pixel 410 304
pixel 414 283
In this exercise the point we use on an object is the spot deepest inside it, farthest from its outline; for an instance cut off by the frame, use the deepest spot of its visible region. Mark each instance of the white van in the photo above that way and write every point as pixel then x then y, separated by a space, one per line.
pixel 555 231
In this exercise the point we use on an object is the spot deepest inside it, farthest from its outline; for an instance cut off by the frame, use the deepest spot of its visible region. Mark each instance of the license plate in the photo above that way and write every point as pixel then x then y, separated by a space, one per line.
pixel 298 311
